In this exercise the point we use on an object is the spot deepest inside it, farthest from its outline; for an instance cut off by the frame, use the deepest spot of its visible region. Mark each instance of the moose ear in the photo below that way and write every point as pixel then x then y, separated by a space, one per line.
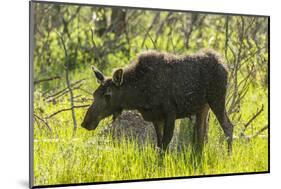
pixel 117 77
pixel 100 77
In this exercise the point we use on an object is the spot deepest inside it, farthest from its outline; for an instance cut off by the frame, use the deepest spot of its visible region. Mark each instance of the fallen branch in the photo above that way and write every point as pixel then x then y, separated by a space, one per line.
pixel 67 109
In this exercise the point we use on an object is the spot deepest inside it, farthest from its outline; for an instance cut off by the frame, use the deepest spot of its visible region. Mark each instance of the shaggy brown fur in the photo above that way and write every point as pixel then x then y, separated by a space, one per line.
pixel 165 87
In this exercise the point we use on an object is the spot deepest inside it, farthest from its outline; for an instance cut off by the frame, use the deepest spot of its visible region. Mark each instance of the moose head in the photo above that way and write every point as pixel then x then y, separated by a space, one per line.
pixel 106 99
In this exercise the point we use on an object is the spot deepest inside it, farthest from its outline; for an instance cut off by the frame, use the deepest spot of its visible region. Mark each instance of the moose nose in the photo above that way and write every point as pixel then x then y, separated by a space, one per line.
pixel 83 124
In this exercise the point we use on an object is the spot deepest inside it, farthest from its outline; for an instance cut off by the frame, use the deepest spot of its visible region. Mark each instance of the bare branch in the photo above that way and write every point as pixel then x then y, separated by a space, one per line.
pixel 83 99
pixel 156 18
pixel 159 31
pixel 63 93
pixel 65 89
pixel 46 79
pixel 260 131
pixel 86 91
pixel 44 121
pixel 252 119
pixel 226 38
pixel 67 109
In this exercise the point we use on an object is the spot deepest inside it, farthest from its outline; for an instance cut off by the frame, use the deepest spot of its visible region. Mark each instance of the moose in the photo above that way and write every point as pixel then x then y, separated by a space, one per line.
pixel 164 87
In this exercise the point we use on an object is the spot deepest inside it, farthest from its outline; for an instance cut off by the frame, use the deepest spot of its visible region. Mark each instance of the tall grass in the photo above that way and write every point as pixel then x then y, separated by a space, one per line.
pixel 94 159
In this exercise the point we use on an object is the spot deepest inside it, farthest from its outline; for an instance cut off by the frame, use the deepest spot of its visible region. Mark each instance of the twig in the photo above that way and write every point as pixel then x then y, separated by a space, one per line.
pixel 65 89
pixel 63 93
pixel 94 47
pixel 260 131
pixel 44 121
pixel 172 43
pixel 156 18
pixel 86 91
pixel 242 134
pixel 153 42
pixel 252 119
pixel 75 97
pixel 67 109
pixel 84 100
pixel 226 38
pixel 127 35
pixel 159 31
pixel 195 21
pixel 46 79
pixel 75 14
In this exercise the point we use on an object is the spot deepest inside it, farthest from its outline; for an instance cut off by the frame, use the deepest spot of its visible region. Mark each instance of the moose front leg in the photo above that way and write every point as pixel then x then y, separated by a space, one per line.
pixel 169 125
pixel 159 127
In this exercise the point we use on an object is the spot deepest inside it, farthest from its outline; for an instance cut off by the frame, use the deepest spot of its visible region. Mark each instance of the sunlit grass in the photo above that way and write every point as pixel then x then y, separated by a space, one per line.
pixel 96 159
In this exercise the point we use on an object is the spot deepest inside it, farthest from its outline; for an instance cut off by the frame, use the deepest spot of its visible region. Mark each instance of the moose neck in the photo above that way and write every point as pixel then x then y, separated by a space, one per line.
pixel 130 97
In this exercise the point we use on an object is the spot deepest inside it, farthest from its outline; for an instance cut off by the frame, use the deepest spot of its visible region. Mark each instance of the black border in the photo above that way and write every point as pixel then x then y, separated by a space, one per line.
pixel 31 27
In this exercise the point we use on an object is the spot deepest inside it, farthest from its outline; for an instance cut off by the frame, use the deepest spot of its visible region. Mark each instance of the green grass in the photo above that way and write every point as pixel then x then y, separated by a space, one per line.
pixel 95 159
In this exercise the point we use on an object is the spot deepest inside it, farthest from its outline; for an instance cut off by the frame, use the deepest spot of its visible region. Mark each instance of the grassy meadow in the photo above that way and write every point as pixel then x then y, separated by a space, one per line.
pixel 64 155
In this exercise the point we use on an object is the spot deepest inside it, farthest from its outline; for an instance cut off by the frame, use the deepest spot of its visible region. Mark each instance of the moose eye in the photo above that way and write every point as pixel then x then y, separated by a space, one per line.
pixel 107 96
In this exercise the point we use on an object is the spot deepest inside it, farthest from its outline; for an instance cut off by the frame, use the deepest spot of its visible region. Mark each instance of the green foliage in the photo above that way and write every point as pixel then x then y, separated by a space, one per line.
pixel 93 36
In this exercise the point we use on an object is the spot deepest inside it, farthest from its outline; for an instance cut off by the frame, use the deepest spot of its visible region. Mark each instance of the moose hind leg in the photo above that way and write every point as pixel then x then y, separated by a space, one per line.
pixel 218 107
pixel 201 129
pixel 169 125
